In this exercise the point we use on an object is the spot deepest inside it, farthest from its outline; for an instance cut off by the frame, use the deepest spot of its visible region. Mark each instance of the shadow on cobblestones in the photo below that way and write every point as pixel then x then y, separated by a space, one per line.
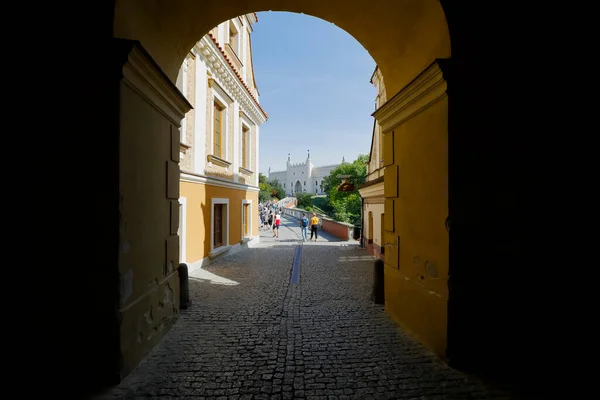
pixel 262 337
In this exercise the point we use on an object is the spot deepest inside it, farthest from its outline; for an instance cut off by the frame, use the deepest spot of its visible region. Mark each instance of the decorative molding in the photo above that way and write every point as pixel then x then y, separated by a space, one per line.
pixel 250 207
pixel 214 58
pixel 427 88
pixel 144 76
pixel 209 180
pixel 375 200
pixel 225 246
pixel 234 54
pixel 245 119
pixel 226 98
pixel 371 182
pixel 245 171
pixel 183 148
pixel 218 161
pixel 376 190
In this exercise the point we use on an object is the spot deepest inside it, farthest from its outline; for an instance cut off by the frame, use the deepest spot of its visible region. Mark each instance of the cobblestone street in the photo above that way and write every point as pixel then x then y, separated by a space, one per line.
pixel 252 334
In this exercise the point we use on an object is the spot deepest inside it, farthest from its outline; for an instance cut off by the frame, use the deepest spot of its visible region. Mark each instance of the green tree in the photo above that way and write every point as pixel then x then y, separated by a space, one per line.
pixel 277 190
pixel 346 205
pixel 269 190
pixel 262 178
pixel 266 190
pixel 264 196
pixel 304 200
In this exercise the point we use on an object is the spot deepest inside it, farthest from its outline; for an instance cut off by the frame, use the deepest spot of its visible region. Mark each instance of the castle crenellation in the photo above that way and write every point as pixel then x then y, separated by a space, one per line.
pixel 302 177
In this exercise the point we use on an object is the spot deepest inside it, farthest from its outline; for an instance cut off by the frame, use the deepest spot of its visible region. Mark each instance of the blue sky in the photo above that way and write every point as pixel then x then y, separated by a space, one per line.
pixel 313 80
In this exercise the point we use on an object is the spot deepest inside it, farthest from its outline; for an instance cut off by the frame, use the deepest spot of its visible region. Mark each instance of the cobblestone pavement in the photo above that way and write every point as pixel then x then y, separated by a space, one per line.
pixel 251 334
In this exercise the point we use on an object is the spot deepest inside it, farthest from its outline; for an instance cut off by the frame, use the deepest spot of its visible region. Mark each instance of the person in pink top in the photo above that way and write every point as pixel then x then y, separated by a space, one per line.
pixel 276 224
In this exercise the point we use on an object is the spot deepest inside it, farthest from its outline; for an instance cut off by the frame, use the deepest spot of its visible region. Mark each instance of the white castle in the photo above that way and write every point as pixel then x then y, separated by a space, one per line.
pixel 303 177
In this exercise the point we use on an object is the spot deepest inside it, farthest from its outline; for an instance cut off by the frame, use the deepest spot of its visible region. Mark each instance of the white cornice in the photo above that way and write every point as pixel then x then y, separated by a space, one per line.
pixel 142 75
pixel 209 180
pixel 424 90
pixel 376 190
pixel 208 51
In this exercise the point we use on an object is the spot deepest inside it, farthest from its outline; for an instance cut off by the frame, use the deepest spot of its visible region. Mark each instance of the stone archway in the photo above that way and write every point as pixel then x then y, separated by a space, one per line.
pixel 421 106
pixel 410 41
pixel 168 32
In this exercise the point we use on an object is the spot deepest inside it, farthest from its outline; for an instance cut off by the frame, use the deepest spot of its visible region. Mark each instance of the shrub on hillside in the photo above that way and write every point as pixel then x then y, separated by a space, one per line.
pixel 304 200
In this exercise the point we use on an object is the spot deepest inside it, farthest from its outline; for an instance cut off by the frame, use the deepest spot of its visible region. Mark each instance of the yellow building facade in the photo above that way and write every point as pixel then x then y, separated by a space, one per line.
pixel 219 145
pixel 371 191
pixel 414 144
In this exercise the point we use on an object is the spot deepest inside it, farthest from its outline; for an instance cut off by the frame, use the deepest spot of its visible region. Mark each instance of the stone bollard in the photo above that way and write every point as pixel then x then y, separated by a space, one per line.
pixel 378 295
pixel 184 286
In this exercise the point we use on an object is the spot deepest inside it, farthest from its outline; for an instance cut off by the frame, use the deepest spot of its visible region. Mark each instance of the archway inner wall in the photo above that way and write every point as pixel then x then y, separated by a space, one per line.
pixel 404 37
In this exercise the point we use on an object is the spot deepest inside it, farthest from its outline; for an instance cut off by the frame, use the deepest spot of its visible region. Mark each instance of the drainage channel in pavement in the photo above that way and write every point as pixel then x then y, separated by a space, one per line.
pixel 295 278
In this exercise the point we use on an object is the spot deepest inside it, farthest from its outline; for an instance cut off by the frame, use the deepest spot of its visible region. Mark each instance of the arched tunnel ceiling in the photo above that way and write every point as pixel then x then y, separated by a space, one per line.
pixel 402 36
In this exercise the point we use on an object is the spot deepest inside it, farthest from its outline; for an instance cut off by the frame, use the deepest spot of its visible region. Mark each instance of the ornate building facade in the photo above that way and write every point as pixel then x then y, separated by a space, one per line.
pixel 219 144
pixel 302 177
pixel 372 191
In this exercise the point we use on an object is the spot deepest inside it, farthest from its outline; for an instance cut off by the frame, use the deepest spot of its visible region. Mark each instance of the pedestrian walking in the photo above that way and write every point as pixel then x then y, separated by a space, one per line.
pixel 314 224
pixel 304 227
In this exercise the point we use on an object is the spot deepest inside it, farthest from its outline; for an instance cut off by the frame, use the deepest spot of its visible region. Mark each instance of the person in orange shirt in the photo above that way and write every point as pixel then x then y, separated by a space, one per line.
pixel 314 223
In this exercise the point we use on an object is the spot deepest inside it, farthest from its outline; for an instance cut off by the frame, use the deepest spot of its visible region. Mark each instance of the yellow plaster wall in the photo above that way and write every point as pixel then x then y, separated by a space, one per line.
pixel 416 291
pixel 149 283
pixel 414 32
pixel 198 216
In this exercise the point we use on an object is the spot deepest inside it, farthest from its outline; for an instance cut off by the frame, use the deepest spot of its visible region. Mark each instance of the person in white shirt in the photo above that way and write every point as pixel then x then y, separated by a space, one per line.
pixel 276 223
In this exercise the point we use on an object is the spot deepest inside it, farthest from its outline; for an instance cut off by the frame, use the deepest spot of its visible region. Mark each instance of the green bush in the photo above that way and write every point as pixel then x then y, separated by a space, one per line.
pixel 304 200
pixel 264 196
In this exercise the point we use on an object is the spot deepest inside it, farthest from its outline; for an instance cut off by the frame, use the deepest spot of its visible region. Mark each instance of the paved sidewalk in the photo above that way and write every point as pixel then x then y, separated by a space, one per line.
pixel 251 334
pixel 289 231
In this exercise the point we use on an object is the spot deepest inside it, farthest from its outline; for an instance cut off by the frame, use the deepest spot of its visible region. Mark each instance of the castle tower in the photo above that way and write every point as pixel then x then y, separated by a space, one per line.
pixel 309 168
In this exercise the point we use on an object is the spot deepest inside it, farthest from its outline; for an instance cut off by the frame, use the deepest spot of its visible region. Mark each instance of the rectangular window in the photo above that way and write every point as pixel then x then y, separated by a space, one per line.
pixel 245 220
pixel 245 140
pixel 233 37
pixel 218 130
pixel 218 221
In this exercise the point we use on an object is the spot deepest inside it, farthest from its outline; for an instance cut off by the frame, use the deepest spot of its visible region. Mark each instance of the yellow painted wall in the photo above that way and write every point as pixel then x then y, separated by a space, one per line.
pixel 148 250
pixel 417 292
pixel 402 36
pixel 377 210
pixel 198 216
